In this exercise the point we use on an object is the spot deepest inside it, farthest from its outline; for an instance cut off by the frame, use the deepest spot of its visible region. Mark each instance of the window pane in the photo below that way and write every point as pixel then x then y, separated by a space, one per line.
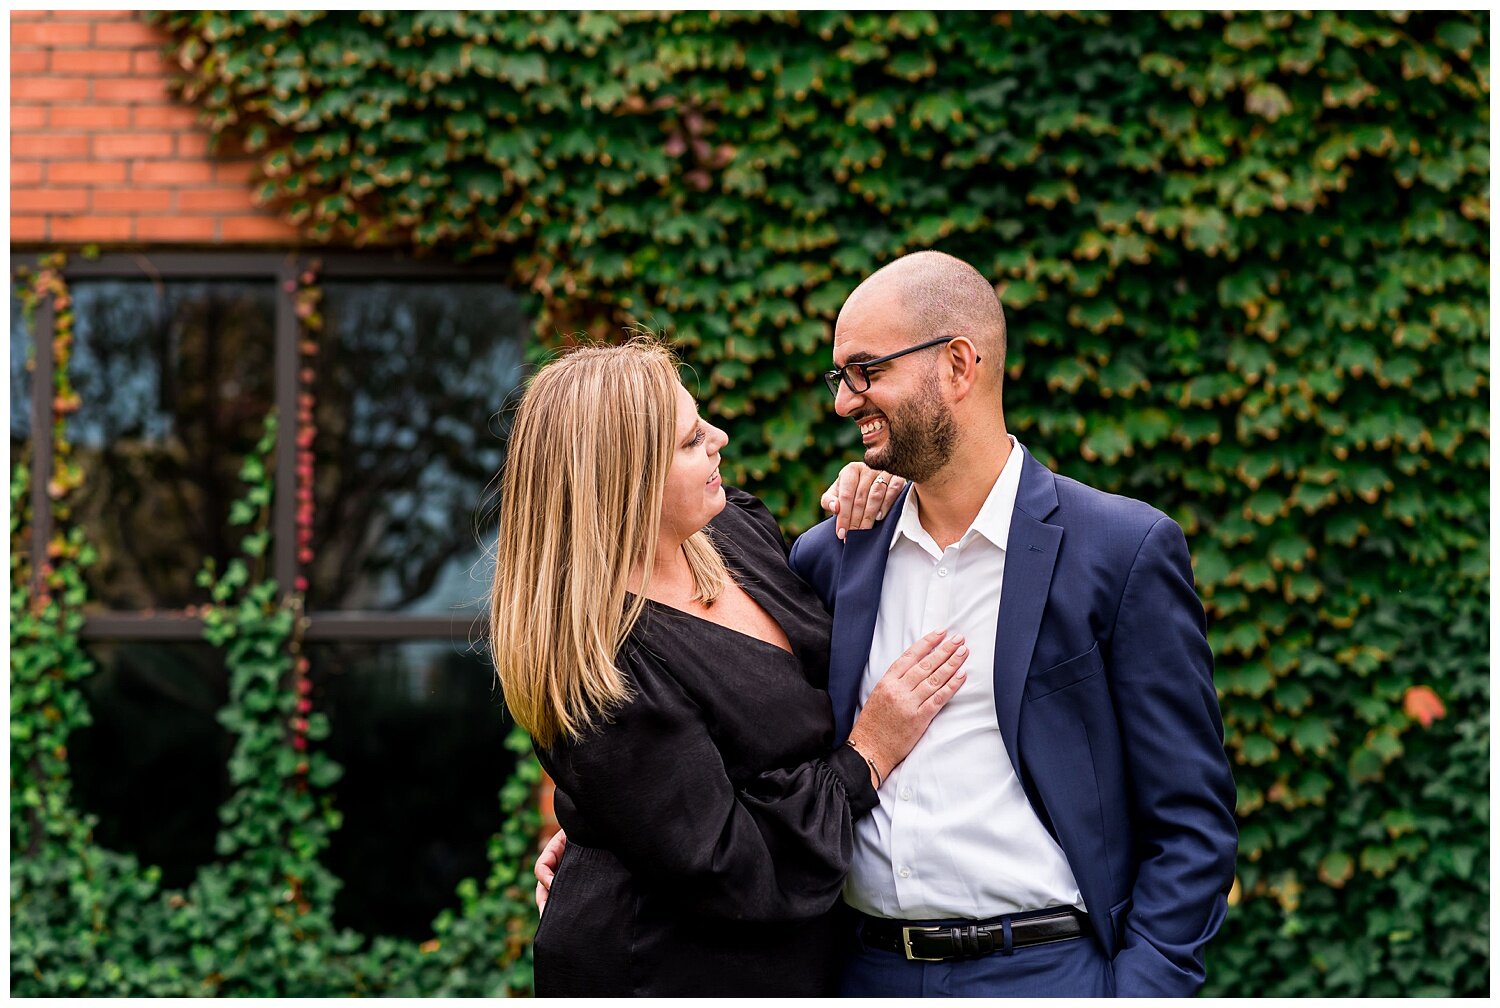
pixel 419 729
pixel 174 380
pixel 20 378
pixel 411 381
pixel 153 766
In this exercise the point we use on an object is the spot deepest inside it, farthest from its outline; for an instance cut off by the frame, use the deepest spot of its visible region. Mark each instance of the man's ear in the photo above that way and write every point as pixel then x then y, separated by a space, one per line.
pixel 963 361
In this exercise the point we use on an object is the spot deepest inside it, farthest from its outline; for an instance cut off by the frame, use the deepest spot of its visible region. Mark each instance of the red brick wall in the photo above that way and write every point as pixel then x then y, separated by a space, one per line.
pixel 101 153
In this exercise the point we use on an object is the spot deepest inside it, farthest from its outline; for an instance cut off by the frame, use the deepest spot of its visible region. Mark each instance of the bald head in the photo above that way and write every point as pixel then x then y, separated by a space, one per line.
pixel 941 295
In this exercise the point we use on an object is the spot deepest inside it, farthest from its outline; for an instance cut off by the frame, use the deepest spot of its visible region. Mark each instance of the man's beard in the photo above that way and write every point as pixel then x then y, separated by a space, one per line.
pixel 919 437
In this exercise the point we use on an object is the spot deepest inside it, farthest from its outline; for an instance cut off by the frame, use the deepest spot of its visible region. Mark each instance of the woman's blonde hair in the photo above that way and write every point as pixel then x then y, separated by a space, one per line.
pixel 581 506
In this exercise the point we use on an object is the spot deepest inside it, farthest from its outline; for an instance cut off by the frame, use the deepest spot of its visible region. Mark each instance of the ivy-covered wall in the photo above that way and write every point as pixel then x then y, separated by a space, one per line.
pixel 1245 259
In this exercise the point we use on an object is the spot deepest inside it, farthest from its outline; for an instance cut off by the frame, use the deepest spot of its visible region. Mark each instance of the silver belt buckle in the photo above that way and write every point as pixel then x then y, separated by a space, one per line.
pixel 906 943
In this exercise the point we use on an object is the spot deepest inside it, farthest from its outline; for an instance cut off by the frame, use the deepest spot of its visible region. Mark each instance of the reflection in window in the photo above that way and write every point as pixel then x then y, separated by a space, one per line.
pixel 153 765
pixel 419 729
pixel 20 379
pixel 412 380
pixel 174 380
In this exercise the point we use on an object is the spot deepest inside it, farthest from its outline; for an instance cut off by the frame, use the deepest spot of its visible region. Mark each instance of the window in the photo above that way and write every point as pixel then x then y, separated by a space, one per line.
pixel 177 359
pixel 174 380
pixel 405 445
pixel 20 380
pixel 154 764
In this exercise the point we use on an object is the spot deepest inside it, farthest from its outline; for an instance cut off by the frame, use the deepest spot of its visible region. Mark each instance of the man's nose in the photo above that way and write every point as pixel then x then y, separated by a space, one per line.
pixel 845 401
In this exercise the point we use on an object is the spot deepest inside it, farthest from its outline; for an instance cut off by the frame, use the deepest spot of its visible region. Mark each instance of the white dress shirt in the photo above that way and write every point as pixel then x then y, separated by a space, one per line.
pixel 954 834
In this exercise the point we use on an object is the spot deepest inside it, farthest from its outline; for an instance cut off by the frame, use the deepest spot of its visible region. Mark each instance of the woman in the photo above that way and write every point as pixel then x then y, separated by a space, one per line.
pixel 669 666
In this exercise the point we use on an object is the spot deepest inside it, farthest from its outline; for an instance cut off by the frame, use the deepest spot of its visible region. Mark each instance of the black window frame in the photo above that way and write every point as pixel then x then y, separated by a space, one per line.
pixel 281 268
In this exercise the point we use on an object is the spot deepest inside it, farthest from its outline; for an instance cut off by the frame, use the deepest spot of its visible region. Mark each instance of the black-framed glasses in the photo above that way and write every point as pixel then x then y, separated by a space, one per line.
pixel 857 375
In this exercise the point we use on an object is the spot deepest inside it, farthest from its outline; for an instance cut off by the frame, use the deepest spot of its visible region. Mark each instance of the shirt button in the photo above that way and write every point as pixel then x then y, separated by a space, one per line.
pixel 942 572
pixel 906 794
pixel 905 873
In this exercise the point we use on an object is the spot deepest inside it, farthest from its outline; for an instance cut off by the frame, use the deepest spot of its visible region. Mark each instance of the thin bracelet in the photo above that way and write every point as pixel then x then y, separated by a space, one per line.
pixel 879 780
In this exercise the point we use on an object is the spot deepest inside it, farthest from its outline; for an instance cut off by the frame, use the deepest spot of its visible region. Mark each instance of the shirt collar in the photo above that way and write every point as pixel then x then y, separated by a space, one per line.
pixel 993 520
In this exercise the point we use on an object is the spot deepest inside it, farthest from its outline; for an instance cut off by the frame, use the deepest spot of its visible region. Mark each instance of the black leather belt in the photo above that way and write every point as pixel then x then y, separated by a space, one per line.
pixel 927 941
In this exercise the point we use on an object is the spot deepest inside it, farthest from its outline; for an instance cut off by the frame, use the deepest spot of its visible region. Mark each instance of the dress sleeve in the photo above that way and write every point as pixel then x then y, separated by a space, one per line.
pixel 756 515
pixel 650 785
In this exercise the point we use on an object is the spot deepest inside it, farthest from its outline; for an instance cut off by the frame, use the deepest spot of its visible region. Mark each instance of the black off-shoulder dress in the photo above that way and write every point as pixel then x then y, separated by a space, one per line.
pixel 710 823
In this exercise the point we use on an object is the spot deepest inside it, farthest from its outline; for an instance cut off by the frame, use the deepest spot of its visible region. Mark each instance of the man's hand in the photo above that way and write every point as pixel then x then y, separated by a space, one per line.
pixel 860 496
pixel 545 868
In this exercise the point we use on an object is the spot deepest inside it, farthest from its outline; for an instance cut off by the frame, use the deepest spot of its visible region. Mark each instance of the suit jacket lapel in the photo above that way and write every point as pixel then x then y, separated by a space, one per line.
pixel 1029 558
pixel 857 605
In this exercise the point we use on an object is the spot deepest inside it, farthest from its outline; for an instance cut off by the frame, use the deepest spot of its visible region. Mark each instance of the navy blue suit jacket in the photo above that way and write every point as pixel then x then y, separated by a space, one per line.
pixel 1104 696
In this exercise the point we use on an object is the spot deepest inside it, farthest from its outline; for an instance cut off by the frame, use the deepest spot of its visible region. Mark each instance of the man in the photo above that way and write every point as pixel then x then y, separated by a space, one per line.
pixel 1065 827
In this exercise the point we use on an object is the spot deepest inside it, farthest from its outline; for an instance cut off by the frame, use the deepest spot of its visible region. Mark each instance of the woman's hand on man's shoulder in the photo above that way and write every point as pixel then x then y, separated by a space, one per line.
pixel 860 496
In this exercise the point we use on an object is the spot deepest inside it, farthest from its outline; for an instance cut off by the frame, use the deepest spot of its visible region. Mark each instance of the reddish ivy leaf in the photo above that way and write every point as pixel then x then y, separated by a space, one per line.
pixel 1422 704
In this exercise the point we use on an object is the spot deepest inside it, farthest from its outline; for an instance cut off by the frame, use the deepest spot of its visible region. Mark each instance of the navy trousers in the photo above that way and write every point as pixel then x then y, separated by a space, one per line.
pixel 1073 968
